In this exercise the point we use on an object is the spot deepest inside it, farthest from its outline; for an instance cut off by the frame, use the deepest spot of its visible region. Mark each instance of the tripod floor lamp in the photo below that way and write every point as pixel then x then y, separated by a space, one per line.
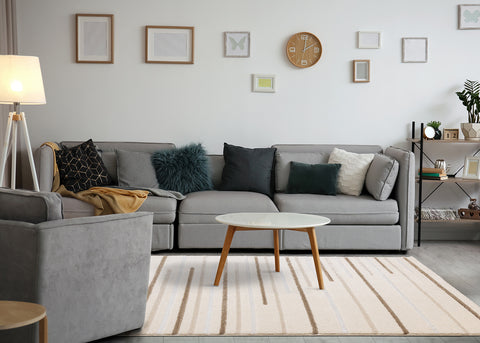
pixel 20 83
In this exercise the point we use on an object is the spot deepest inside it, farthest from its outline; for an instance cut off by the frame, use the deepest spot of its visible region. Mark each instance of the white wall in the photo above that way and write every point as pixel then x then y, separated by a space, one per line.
pixel 211 101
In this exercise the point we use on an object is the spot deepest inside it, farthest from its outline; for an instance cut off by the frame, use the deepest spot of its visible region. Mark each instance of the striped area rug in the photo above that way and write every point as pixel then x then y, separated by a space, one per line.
pixel 362 296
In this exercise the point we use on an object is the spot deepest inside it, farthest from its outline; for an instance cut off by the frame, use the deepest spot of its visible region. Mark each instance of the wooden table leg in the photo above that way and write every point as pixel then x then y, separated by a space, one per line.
pixel 276 244
pixel 43 330
pixel 316 255
pixel 225 250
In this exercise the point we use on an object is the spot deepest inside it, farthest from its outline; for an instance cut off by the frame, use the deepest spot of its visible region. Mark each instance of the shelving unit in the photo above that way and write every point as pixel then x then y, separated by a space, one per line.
pixel 419 143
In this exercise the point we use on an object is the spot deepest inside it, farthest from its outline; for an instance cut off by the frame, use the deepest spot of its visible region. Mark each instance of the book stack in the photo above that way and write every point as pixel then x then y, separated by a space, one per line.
pixel 433 174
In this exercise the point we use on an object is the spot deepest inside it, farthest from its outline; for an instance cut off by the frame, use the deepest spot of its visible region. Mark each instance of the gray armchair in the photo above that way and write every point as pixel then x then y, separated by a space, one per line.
pixel 91 274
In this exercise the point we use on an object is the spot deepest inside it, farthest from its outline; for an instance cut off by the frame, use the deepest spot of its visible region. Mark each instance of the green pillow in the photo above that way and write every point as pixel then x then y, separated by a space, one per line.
pixel 313 178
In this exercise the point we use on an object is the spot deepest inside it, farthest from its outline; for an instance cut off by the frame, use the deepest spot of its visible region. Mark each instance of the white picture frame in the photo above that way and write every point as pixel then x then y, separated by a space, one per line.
pixel 471 168
pixel 415 50
pixel 369 40
pixel 469 17
pixel 264 83
pixel 236 44
pixel 94 38
pixel 361 71
pixel 169 44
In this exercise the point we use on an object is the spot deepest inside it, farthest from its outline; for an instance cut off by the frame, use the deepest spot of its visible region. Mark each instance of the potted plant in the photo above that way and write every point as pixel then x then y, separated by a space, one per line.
pixel 470 98
pixel 436 124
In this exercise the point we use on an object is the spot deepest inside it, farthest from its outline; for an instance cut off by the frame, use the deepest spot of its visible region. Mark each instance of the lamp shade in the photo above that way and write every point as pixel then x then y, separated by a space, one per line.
pixel 21 80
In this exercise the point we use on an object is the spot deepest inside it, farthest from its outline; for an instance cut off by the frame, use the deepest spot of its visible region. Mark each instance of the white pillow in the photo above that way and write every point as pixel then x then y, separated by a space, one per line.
pixel 351 176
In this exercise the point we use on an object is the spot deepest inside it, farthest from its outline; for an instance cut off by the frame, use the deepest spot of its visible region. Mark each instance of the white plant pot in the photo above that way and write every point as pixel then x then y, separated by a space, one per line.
pixel 471 131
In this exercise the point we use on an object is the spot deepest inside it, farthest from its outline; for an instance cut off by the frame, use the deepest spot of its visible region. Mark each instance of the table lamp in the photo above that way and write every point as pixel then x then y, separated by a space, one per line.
pixel 20 83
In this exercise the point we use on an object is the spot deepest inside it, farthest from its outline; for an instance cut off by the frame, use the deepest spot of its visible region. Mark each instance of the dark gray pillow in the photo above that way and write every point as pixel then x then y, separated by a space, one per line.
pixel 135 169
pixel 248 169
pixel 381 176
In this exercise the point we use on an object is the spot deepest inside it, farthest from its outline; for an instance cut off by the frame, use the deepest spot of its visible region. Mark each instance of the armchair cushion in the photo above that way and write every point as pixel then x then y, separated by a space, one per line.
pixel 28 206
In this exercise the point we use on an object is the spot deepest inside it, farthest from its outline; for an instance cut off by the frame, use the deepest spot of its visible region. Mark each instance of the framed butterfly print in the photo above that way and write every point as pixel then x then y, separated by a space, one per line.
pixel 237 44
pixel 469 17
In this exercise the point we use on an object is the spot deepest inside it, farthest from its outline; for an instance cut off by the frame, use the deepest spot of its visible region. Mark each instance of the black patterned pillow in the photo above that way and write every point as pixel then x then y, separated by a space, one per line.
pixel 81 167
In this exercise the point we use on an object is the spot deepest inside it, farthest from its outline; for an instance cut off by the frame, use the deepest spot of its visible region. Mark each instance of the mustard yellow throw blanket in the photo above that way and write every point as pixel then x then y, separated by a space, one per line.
pixel 106 200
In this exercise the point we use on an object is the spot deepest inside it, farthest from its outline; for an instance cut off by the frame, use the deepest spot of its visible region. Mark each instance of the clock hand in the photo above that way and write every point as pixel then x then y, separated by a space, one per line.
pixel 305 49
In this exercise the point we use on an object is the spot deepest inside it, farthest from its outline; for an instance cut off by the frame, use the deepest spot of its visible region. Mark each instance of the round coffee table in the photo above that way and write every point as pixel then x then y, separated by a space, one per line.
pixel 272 221
pixel 15 314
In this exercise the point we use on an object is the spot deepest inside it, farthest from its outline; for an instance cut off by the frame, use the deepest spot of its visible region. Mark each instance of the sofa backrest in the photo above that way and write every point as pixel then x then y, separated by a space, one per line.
pixel 216 164
pixel 107 151
pixel 311 154
pixel 28 206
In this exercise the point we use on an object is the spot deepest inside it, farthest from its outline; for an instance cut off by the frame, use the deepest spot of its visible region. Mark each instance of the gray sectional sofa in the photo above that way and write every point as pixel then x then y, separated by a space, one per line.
pixel 358 223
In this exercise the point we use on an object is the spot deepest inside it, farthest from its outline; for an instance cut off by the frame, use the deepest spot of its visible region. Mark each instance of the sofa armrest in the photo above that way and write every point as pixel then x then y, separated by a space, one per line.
pixel 44 161
pixel 91 270
pixel 404 193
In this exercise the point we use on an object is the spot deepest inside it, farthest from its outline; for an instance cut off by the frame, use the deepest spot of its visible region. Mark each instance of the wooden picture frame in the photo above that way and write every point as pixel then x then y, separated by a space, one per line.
pixel 415 50
pixel 369 40
pixel 361 71
pixel 469 17
pixel 169 44
pixel 94 38
pixel 236 44
pixel 471 168
pixel 263 83
pixel 450 134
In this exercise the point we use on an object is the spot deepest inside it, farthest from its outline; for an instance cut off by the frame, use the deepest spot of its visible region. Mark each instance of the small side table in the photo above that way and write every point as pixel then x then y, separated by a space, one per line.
pixel 15 314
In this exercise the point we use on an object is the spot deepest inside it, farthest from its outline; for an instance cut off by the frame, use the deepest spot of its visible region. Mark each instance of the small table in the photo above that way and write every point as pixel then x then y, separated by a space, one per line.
pixel 275 222
pixel 15 314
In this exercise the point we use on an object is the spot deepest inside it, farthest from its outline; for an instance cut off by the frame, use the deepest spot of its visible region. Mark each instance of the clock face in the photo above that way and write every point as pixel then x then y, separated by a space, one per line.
pixel 304 49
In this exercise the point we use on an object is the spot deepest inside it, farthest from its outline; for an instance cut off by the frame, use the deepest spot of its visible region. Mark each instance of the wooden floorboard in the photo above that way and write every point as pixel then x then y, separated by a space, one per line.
pixel 456 262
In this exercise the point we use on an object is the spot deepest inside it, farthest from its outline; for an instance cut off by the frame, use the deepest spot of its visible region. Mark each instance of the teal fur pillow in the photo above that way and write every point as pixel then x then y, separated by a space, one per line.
pixel 313 178
pixel 183 170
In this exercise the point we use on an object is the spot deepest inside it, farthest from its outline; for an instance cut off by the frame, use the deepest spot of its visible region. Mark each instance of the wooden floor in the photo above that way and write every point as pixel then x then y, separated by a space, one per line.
pixel 457 262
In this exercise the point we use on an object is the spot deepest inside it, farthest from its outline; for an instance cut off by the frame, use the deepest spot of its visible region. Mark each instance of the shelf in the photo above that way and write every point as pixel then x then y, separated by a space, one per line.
pixel 450 141
pixel 451 180
pixel 456 221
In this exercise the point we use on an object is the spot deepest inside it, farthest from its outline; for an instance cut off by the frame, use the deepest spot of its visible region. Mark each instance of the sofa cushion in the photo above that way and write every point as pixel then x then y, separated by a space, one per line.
pixel 81 167
pixel 341 209
pixel 381 176
pixel 203 207
pixel 282 165
pixel 29 206
pixel 247 169
pixel 135 169
pixel 183 170
pixel 164 209
pixel 351 177
pixel 313 178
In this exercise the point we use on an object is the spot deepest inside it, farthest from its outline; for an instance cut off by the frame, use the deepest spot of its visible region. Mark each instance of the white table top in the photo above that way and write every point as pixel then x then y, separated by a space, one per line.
pixel 275 220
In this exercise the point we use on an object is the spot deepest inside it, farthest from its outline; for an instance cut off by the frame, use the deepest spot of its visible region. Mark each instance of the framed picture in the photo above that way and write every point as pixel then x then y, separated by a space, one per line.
pixel 169 44
pixel 94 35
pixel 450 134
pixel 361 70
pixel 414 50
pixel 471 168
pixel 469 17
pixel 263 83
pixel 237 44
pixel 368 40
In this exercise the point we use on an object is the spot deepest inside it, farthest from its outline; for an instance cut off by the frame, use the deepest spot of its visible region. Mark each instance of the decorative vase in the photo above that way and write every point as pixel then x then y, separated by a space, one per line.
pixel 471 131
pixel 438 134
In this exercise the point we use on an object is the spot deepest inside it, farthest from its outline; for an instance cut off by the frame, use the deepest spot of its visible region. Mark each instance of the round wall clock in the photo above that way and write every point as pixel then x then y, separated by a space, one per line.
pixel 304 49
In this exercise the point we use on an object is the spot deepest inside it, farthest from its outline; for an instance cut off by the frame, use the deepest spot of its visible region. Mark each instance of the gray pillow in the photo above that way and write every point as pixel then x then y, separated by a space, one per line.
pixel 135 169
pixel 381 176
